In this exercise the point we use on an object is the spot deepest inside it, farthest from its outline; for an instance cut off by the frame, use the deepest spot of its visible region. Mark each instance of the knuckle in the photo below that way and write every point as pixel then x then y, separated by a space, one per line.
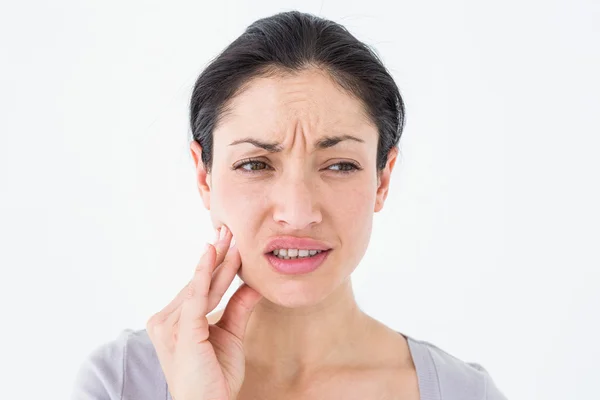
pixel 199 268
pixel 192 292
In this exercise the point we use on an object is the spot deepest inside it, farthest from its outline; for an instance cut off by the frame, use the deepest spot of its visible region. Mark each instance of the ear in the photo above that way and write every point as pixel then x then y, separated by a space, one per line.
pixel 203 180
pixel 383 179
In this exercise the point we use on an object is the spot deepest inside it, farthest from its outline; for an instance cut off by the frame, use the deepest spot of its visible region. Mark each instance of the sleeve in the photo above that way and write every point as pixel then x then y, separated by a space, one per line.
pixel 492 392
pixel 101 374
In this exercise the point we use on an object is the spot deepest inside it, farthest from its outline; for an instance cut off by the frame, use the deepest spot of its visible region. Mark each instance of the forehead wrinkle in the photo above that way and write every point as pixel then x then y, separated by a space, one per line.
pixel 272 106
pixel 304 114
pixel 302 127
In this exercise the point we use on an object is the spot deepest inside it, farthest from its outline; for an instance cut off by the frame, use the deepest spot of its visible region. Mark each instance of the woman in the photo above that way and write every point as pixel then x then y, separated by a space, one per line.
pixel 295 132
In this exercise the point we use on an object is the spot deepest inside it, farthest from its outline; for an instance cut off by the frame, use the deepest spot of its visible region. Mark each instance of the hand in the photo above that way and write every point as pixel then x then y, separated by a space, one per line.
pixel 203 361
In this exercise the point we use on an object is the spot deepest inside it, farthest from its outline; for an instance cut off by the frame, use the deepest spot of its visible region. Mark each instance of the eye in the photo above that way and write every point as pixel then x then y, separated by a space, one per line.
pixel 255 165
pixel 346 167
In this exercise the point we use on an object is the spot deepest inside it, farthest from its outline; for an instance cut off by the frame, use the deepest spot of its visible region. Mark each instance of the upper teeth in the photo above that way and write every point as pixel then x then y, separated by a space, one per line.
pixel 295 252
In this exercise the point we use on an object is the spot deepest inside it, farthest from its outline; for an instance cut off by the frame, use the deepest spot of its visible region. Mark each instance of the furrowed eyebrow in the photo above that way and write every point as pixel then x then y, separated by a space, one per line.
pixel 323 143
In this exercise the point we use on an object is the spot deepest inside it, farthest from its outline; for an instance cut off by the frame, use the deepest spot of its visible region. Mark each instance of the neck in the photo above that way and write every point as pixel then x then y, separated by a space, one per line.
pixel 286 342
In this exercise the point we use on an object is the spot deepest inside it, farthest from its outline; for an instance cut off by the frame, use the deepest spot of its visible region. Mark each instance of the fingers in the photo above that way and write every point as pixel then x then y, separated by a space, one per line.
pixel 222 240
pixel 228 262
pixel 238 310
pixel 192 322
pixel 223 276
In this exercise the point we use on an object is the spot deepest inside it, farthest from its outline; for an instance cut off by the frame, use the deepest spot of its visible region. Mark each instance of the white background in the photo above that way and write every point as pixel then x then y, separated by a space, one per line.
pixel 487 245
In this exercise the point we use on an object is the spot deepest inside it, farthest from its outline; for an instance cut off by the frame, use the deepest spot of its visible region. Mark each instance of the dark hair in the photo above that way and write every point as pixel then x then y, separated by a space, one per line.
pixel 289 42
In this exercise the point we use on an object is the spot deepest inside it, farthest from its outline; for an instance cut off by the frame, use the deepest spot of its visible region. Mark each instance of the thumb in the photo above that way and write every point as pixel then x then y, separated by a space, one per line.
pixel 238 310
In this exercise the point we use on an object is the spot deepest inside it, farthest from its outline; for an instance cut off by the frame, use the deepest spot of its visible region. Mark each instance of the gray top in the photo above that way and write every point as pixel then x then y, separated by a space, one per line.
pixel 127 368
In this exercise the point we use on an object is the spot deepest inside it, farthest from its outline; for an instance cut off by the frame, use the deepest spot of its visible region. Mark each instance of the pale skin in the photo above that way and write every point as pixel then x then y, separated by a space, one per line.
pixel 283 336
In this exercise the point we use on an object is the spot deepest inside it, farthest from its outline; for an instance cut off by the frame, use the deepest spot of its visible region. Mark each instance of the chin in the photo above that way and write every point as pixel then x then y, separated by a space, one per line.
pixel 292 297
pixel 288 293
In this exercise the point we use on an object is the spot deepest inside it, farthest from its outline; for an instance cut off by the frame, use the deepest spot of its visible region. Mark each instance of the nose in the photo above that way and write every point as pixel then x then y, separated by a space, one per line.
pixel 296 203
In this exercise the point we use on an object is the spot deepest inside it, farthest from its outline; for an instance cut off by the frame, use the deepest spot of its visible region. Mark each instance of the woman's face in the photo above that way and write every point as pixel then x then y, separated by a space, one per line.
pixel 301 190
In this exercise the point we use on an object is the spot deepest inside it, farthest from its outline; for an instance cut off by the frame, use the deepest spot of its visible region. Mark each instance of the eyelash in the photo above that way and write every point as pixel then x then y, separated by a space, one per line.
pixel 253 161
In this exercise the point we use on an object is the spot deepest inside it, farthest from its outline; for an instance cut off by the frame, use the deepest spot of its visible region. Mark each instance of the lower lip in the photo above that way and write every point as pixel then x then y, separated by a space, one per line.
pixel 298 265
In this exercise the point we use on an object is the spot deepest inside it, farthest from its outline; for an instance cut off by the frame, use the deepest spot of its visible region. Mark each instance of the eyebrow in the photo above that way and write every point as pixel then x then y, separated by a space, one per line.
pixel 275 147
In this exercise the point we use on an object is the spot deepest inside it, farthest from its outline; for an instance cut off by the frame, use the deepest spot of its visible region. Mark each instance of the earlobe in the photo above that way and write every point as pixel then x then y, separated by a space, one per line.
pixel 202 178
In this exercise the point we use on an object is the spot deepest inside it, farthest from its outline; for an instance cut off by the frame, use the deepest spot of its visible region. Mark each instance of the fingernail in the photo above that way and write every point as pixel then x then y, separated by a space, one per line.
pixel 217 230
pixel 232 243
pixel 223 232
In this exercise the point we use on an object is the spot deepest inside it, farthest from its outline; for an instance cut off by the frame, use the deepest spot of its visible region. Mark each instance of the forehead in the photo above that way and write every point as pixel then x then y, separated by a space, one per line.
pixel 309 97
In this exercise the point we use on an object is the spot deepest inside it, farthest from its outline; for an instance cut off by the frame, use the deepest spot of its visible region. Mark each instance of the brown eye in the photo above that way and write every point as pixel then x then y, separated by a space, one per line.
pixel 345 167
pixel 255 166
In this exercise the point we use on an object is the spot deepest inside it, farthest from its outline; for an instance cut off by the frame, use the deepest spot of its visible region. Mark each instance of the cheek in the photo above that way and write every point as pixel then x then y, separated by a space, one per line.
pixel 352 210
pixel 237 198
pixel 236 205
pixel 354 216
pixel 355 198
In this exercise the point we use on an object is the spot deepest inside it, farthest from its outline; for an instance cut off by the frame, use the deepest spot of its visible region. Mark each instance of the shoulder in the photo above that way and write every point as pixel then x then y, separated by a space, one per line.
pixel 443 376
pixel 125 367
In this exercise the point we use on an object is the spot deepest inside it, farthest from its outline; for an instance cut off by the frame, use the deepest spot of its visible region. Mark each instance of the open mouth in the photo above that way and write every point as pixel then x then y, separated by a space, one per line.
pixel 296 263
pixel 293 254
